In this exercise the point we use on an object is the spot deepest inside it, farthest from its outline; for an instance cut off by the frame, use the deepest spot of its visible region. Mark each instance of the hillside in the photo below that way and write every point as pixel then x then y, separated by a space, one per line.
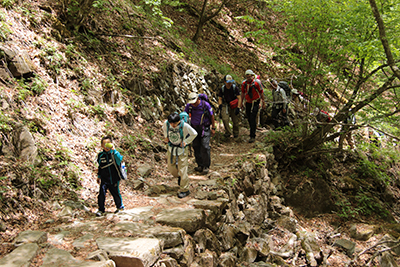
pixel 120 72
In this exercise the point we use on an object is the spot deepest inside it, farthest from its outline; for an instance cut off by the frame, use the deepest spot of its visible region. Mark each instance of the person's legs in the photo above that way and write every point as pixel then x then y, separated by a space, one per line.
pixel 102 196
pixel 172 164
pixel 274 116
pixel 183 164
pixel 225 120
pixel 196 144
pixel 205 149
pixel 235 122
pixel 253 107
pixel 114 190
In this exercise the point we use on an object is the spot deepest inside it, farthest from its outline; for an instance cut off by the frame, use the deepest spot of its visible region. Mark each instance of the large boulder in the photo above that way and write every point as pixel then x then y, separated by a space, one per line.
pixel 188 219
pixel 19 61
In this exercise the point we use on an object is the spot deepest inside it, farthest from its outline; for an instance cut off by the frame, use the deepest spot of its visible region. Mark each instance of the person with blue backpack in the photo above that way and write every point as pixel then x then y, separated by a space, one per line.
pixel 108 176
pixel 179 134
pixel 202 120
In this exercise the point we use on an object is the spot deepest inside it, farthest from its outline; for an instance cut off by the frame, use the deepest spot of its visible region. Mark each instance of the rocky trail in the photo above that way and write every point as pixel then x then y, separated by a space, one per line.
pixel 234 216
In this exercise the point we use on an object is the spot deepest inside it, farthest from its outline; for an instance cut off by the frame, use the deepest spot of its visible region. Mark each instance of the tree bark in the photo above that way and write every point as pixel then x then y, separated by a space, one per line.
pixel 384 40
pixel 319 135
pixel 203 19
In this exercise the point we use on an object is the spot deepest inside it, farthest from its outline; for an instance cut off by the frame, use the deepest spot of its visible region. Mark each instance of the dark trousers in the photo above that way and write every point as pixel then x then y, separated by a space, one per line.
pixel 201 146
pixel 114 190
pixel 251 113
pixel 276 119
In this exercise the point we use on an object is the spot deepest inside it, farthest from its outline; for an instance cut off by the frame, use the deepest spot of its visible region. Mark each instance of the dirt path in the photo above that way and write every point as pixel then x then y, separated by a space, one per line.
pixel 224 154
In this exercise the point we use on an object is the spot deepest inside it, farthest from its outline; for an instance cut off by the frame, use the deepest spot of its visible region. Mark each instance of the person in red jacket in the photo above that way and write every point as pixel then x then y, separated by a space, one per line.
pixel 252 93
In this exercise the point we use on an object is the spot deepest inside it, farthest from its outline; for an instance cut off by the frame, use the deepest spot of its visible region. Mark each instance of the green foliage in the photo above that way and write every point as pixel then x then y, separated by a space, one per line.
pixel 43 177
pixel 7 3
pixel 364 204
pixel 4 28
pixel 153 7
pixel 34 86
pixel 287 136
pixel 378 163
pixel 52 58
pixel 5 122
pixel 346 210
pixel 38 85
pixel 97 110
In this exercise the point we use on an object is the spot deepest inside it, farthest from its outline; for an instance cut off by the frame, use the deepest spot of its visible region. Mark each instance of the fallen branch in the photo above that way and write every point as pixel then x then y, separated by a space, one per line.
pixel 125 35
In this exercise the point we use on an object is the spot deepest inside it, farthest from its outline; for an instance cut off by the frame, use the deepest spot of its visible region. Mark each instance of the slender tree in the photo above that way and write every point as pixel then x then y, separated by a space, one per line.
pixel 205 16
pixel 340 49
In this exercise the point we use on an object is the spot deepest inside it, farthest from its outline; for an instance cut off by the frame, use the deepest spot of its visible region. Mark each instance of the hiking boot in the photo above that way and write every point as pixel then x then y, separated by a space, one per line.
pixel 118 210
pixel 198 169
pixel 183 194
pixel 227 135
pixel 179 180
pixel 99 213
pixel 205 171
pixel 252 140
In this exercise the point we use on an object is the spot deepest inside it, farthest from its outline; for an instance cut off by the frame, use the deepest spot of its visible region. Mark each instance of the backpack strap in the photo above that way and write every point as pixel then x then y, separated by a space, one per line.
pixel 180 132
pixel 249 87
pixel 118 168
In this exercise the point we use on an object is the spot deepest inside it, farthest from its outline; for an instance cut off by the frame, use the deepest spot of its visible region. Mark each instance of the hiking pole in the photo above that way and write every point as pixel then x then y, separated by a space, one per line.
pixel 219 127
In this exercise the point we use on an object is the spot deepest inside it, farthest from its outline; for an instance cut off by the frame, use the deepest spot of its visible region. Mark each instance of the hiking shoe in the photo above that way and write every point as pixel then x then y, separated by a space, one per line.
pixel 179 180
pixel 226 135
pixel 198 169
pixel 118 210
pixel 99 213
pixel 183 194
pixel 205 171
pixel 252 140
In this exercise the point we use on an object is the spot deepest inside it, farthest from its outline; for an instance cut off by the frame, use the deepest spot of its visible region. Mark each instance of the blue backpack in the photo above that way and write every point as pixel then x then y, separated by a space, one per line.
pixel 184 119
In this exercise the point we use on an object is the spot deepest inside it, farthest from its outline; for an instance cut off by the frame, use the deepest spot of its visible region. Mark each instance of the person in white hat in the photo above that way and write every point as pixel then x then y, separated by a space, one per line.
pixel 252 93
pixel 202 120
pixel 228 101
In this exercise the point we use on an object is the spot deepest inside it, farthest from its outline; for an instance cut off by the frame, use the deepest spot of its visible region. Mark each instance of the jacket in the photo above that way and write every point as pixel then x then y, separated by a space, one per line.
pixel 107 171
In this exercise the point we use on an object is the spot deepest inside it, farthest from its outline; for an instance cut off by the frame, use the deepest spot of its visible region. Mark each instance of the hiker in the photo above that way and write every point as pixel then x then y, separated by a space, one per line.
pixel 279 105
pixel 202 120
pixel 108 176
pixel 348 136
pixel 228 101
pixel 178 135
pixel 252 93
pixel 321 116
pixel 374 137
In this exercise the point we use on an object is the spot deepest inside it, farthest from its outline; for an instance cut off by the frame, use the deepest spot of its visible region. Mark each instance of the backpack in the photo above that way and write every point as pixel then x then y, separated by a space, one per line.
pixel 253 85
pixel 234 86
pixel 121 170
pixel 324 116
pixel 184 118
pixel 203 97
pixel 285 86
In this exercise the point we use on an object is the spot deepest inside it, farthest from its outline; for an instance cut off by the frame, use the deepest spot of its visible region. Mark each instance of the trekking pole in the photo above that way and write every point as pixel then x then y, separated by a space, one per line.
pixel 219 127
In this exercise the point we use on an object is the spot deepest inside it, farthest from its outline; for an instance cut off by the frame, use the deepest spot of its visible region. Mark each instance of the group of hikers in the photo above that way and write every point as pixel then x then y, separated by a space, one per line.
pixel 195 126
pixel 179 132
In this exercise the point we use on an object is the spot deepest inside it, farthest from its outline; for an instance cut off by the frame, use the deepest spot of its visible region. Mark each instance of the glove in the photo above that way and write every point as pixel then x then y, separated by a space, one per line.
pixel 237 110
